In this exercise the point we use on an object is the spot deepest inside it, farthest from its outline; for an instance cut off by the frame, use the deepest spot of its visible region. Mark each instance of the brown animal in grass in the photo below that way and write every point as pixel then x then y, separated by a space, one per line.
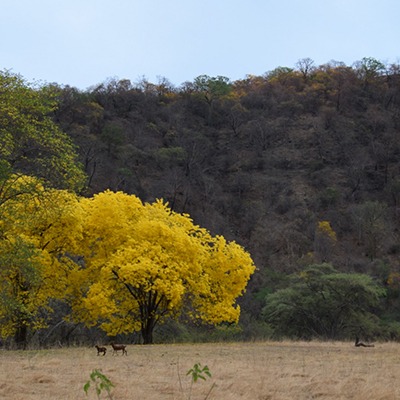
pixel 101 350
pixel 119 347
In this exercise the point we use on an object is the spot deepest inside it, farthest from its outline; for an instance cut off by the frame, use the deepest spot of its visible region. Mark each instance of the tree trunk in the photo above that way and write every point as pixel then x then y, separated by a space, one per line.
pixel 21 337
pixel 147 330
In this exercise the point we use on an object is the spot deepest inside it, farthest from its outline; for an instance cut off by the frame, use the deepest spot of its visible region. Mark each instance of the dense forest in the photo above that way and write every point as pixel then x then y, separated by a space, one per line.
pixel 300 166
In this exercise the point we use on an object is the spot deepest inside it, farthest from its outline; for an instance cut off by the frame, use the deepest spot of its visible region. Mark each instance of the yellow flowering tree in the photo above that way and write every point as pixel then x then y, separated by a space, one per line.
pixel 37 228
pixel 144 263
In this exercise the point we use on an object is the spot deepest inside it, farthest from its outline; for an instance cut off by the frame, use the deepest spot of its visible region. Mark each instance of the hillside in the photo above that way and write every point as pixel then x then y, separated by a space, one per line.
pixel 261 160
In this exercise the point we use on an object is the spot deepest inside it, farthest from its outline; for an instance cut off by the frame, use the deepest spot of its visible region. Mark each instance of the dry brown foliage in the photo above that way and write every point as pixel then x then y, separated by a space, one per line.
pixel 254 371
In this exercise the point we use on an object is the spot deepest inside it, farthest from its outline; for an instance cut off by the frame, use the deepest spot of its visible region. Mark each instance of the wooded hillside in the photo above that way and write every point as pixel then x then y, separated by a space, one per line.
pixel 260 160
pixel 263 161
pixel 300 166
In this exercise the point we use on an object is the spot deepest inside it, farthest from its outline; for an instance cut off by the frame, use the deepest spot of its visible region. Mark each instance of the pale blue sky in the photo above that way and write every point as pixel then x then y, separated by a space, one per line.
pixel 83 42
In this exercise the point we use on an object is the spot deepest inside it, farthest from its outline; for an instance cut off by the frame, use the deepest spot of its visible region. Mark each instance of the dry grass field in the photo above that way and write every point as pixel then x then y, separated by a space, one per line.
pixel 254 371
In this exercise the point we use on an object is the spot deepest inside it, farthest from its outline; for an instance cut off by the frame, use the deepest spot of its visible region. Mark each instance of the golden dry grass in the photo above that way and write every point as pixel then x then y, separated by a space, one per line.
pixel 254 371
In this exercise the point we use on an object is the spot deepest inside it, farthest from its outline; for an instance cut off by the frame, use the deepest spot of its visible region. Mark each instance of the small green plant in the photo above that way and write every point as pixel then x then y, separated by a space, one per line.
pixel 101 383
pixel 198 372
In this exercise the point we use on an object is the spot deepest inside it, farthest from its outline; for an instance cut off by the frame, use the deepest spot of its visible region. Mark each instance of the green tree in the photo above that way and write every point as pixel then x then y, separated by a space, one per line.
pixel 30 142
pixel 369 68
pixel 146 263
pixel 324 303
pixel 212 88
